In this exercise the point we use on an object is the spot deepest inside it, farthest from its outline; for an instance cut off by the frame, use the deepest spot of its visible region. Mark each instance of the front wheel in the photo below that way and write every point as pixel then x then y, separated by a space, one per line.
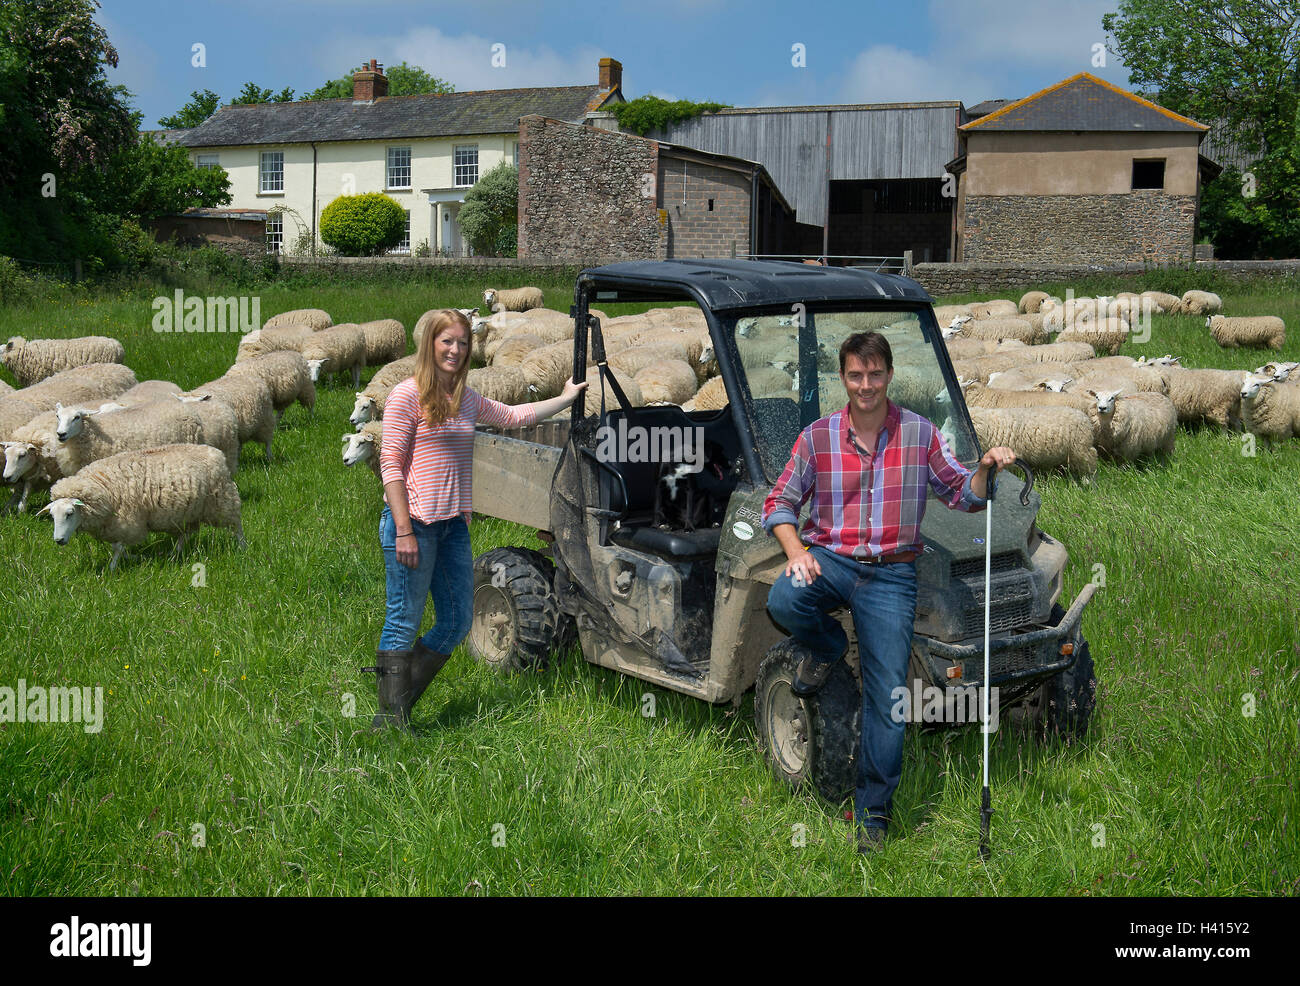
pixel 808 741
pixel 1063 705
pixel 517 621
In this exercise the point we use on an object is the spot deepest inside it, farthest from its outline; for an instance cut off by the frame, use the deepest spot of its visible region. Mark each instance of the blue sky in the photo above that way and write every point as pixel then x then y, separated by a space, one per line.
pixel 738 53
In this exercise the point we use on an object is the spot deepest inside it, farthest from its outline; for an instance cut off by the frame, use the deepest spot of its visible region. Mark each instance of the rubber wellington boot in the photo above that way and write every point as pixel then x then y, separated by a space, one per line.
pixel 393 680
pixel 425 665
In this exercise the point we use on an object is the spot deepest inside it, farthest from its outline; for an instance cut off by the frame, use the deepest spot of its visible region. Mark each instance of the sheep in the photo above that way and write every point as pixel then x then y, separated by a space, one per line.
pixel 220 426
pixel 1199 303
pixel 250 398
pixel 14 413
pixel 363 445
pixel 31 361
pixel 94 382
pixel 944 314
pixel 1042 436
pixel 626 381
pixel 547 332
pixel 506 384
pixel 370 402
pixel 286 374
pixel 1255 331
pixel 547 368
pixel 314 318
pixel 1103 333
pixel 1269 408
pixel 982 367
pixel 1280 372
pixel 274 340
pixel 1138 377
pixel 1030 376
pixel 147 390
pixel 514 349
pixel 768 381
pixel 1004 328
pixel 391 374
pixel 173 488
pixel 1057 352
pixel 1137 426
pixel 1031 301
pixel 979 395
pixel 711 396
pixel 343 347
pixel 513 299
pixel 635 359
pixel 385 341
pixel 670 380
pixel 1206 395
pixel 997 308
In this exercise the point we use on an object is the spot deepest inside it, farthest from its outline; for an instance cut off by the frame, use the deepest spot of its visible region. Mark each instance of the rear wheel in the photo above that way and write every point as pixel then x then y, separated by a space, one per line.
pixel 517 621
pixel 808 741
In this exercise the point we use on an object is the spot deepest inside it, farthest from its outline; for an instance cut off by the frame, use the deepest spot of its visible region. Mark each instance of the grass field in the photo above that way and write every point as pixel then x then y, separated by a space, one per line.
pixel 228 763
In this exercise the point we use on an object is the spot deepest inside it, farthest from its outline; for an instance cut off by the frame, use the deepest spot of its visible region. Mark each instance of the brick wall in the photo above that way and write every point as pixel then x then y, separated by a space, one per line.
pixel 584 191
pixel 1098 229
pixel 693 229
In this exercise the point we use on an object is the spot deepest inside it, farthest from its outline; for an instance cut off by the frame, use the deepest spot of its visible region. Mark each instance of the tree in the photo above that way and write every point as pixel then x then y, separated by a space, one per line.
pixel 201 106
pixel 252 93
pixel 403 80
pixel 1234 63
pixel 490 215
pixel 362 225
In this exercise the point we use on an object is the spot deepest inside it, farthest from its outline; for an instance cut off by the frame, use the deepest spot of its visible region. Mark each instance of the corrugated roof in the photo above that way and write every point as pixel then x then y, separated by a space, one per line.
pixel 488 111
pixel 1084 102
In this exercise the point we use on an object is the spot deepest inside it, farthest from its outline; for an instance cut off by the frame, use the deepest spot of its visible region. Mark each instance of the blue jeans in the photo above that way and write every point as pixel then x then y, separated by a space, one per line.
pixel 883 601
pixel 445 570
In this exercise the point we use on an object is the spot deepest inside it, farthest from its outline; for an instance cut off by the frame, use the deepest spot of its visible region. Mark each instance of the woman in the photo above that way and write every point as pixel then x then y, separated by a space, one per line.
pixel 427 466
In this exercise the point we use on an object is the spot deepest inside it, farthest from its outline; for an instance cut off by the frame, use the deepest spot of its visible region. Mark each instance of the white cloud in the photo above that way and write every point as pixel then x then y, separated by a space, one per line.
pixel 885 74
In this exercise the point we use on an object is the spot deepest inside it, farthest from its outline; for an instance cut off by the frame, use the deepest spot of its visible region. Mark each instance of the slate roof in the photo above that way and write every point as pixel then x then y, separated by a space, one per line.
pixel 1084 102
pixel 488 111
pixel 986 107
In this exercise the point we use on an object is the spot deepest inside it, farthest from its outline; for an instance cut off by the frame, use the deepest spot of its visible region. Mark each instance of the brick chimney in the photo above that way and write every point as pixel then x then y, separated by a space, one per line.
pixel 369 83
pixel 611 73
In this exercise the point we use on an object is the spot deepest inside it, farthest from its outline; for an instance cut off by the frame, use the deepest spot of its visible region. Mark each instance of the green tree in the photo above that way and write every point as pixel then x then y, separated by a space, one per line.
pixel 646 113
pixel 490 216
pixel 403 80
pixel 1235 63
pixel 362 225
pixel 201 106
pixel 253 93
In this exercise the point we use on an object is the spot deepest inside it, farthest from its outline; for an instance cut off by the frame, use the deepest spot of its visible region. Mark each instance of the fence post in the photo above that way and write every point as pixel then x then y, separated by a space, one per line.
pixel 907 261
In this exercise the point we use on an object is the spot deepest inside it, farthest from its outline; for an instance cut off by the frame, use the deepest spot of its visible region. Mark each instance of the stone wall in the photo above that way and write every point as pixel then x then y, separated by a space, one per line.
pixel 707 206
pixel 584 191
pixel 970 278
pixel 1079 229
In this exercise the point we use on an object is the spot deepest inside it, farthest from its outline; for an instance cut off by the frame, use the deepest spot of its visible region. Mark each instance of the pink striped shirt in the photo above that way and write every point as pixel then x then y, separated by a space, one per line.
pixel 437 464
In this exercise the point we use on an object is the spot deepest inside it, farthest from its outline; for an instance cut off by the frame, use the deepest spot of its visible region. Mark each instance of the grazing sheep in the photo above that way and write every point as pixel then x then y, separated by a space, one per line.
pixel 220 426
pixel 998 308
pixel 1102 334
pixel 514 349
pixel 287 375
pixel 1200 303
pixel 1044 437
pixel 92 383
pixel 172 488
pixel 1057 352
pixel 370 402
pixel 1206 395
pixel 1137 427
pixel 250 398
pixel 962 348
pixel 343 347
pixel 506 384
pixel 31 361
pixel 670 380
pixel 1031 376
pixel 513 299
pixel 1031 301
pixel 363 445
pixel 982 367
pixel 1005 328
pixel 1138 377
pixel 978 395
pixel 1253 331
pixel 385 341
pixel 147 390
pixel 1281 372
pixel 391 374
pixel 290 338
pixel 314 318
pixel 1269 409
pixel 1163 303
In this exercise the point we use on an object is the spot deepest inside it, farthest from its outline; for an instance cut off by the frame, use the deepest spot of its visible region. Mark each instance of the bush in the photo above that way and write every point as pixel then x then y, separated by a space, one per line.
pixel 491 211
pixel 362 225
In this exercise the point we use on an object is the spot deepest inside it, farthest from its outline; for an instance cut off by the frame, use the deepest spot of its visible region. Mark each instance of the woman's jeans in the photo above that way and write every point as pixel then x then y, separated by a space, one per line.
pixel 883 601
pixel 445 570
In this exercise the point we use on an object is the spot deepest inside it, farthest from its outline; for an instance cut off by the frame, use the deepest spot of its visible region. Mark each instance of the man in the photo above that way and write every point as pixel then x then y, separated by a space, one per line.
pixel 867 467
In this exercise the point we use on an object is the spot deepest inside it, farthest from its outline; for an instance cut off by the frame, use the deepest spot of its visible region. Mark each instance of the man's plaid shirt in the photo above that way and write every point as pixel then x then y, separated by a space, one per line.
pixel 863 504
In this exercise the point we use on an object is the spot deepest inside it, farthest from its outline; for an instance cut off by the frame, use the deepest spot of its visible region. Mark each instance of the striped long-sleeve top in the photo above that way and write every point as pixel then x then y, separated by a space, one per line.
pixel 437 464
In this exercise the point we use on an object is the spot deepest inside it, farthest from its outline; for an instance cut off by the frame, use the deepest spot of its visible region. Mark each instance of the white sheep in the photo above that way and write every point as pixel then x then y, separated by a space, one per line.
pixel 93 383
pixel 514 349
pixel 1256 331
pixel 284 338
pixel 1206 395
pixel 1044 437
pixel 172 488
pixel 220 426
pixel 599 385
pixel 286 374
pixel 314 318
pixel 250 398
pixel 1139 425
pixel 1005 327
pixel 342 347
pixel 712 395
pixel 364 445
pixel 14 413
pixel 998 308
pixel 146 391
pixel 1269 409
pixel 1031 301
pixel 1057 352
pixel 513 299
pixel 506 384
pixel 31 361
pixel 1102 334
pixel 1200 303
pixel 1280 372
pixel 944 314
pixel 385 341
pixel 1162 302
pixel 1030 376
pixel 670 380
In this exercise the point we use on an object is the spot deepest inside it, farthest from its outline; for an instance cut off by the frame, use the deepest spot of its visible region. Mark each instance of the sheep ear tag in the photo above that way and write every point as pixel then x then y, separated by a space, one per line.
pixel 78 503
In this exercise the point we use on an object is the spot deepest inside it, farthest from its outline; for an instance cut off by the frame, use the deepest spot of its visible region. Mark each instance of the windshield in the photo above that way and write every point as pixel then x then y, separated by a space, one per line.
pixel 794 377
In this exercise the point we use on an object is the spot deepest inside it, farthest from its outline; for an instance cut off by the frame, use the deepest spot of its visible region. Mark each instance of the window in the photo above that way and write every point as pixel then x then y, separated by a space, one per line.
pixel 209 161
pixel 516 153
pixel 1149 174
pixel 274 233
pixel 465 165
pixel 399 167
pixel 405 245
pixel 272 171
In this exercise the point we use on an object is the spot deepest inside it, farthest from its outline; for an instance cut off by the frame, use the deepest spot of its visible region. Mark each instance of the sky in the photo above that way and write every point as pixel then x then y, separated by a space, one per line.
pixel 755 53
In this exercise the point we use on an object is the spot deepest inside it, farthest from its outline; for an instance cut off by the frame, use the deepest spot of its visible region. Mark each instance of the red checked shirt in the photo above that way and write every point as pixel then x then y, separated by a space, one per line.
pixel 868 504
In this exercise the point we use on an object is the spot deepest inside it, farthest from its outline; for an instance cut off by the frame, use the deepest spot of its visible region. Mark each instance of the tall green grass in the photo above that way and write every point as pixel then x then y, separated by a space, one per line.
pixel 226 705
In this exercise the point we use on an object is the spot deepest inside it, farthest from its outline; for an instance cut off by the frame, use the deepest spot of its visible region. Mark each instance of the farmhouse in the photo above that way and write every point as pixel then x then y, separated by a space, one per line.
pixel 290 160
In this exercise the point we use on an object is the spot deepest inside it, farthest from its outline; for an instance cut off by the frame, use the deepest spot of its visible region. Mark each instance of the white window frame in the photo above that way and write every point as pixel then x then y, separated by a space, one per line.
pixel 404 245
pixel 393 169
pixel 275 233
pixel 515 151
pixel 208 161
pixel 461 168
pixel 271 180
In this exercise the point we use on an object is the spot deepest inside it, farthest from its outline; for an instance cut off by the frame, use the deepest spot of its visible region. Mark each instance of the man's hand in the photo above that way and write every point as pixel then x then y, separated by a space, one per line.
pixel 803 568
pixel 995 458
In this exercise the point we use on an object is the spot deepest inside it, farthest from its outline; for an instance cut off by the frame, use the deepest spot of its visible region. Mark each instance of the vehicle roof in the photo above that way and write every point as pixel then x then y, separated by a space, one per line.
pixel 731 284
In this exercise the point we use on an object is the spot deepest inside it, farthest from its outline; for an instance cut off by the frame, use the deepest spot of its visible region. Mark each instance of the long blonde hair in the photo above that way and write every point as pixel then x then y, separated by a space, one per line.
pixel 437 405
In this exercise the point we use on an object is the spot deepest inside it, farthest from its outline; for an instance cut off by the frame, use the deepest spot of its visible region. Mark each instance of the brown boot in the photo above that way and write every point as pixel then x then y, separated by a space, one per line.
pixel 424 667
pixel 393 680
